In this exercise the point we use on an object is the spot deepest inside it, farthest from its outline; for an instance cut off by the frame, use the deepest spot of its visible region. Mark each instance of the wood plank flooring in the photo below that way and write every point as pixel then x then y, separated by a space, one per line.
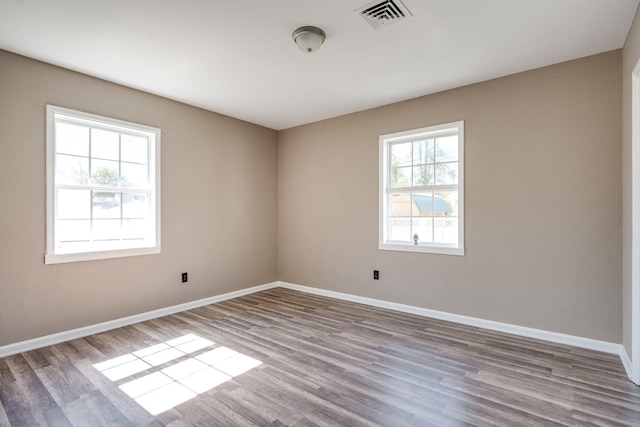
pixel 281 357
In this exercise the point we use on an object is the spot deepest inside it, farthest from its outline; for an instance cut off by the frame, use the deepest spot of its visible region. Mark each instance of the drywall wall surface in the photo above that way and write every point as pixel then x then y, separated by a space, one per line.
pixel 543 202
pixel 219 206
pixel 630 59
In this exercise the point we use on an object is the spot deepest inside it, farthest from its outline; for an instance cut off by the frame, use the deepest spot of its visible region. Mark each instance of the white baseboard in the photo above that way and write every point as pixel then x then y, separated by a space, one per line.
pixel 626 361
pixel 555 337
pixel 73 334
pixel 588 343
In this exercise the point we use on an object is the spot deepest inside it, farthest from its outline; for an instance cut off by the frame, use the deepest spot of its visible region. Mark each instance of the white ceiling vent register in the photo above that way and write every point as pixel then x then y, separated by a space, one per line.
pixel 383 13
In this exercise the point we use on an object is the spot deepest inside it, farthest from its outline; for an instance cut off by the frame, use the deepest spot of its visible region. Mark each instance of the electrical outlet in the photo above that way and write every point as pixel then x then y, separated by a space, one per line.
pixel 185 278
pixel 376 275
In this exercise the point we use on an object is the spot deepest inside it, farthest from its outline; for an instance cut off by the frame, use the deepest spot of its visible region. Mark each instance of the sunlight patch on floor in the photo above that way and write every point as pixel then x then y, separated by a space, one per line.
pixel 163 389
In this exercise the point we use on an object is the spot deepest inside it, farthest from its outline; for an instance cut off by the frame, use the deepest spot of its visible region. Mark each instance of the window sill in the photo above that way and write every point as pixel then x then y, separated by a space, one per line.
pixel 442 250
pixel 91 256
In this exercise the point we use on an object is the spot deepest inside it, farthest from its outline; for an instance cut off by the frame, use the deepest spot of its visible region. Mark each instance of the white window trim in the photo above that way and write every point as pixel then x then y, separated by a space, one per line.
pixel 154 162
pixel 384 179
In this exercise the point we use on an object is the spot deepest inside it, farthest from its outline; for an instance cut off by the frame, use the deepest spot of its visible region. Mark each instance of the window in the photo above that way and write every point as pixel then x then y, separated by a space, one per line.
pixel 422 190
pixel 103 187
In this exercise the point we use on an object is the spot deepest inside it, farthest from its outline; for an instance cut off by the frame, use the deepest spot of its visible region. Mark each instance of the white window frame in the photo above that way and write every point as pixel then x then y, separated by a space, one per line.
pixel 55 113
pixel 384 188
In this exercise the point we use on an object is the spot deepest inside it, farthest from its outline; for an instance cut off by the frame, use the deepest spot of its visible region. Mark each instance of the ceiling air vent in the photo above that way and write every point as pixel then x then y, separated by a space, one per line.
pixel 382 13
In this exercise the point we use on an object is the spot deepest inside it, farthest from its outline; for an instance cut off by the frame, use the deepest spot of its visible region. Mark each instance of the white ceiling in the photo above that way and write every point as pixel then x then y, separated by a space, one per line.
pixel 236 57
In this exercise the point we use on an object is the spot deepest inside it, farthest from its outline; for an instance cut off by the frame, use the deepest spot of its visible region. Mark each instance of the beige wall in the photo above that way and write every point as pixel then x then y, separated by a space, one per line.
pixel 243 205
pixel 219 207
pixel 543 202
pixel 630 57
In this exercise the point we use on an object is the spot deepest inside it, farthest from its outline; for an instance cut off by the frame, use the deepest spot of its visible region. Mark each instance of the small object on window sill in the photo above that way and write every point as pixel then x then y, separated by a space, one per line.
pixel 415 238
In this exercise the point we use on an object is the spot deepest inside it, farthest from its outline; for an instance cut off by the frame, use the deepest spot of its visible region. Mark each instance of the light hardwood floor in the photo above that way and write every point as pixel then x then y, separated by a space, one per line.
pixel 281 357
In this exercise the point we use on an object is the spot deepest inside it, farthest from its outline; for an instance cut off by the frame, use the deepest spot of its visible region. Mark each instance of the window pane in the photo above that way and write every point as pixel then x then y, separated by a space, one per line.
pixel 450 200
pixel 74 204
pixel 73 247
pixel 400 217
pixel 105 245
pixel 106 229
pixel 446 222
pixel 73 230
pixel 423 227
pixel 423 152
pixel 136 229
pixel 399 229
pixel 71 170
pixel 445 230
pixel 423 175
pixel 135 205
pixel 106 204
pixel 135 149
pixel 401 154
pixel 134 243
pixel 105 144
pixel 446 173
pixel 401 177
pixel 447 149
pixel 105 172
pixel 72 139
pixel 422 204
pixel 400 204
pixel 134 175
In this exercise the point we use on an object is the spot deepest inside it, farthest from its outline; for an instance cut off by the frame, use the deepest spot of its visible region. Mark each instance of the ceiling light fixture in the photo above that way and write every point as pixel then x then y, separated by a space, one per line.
pixel 309 39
